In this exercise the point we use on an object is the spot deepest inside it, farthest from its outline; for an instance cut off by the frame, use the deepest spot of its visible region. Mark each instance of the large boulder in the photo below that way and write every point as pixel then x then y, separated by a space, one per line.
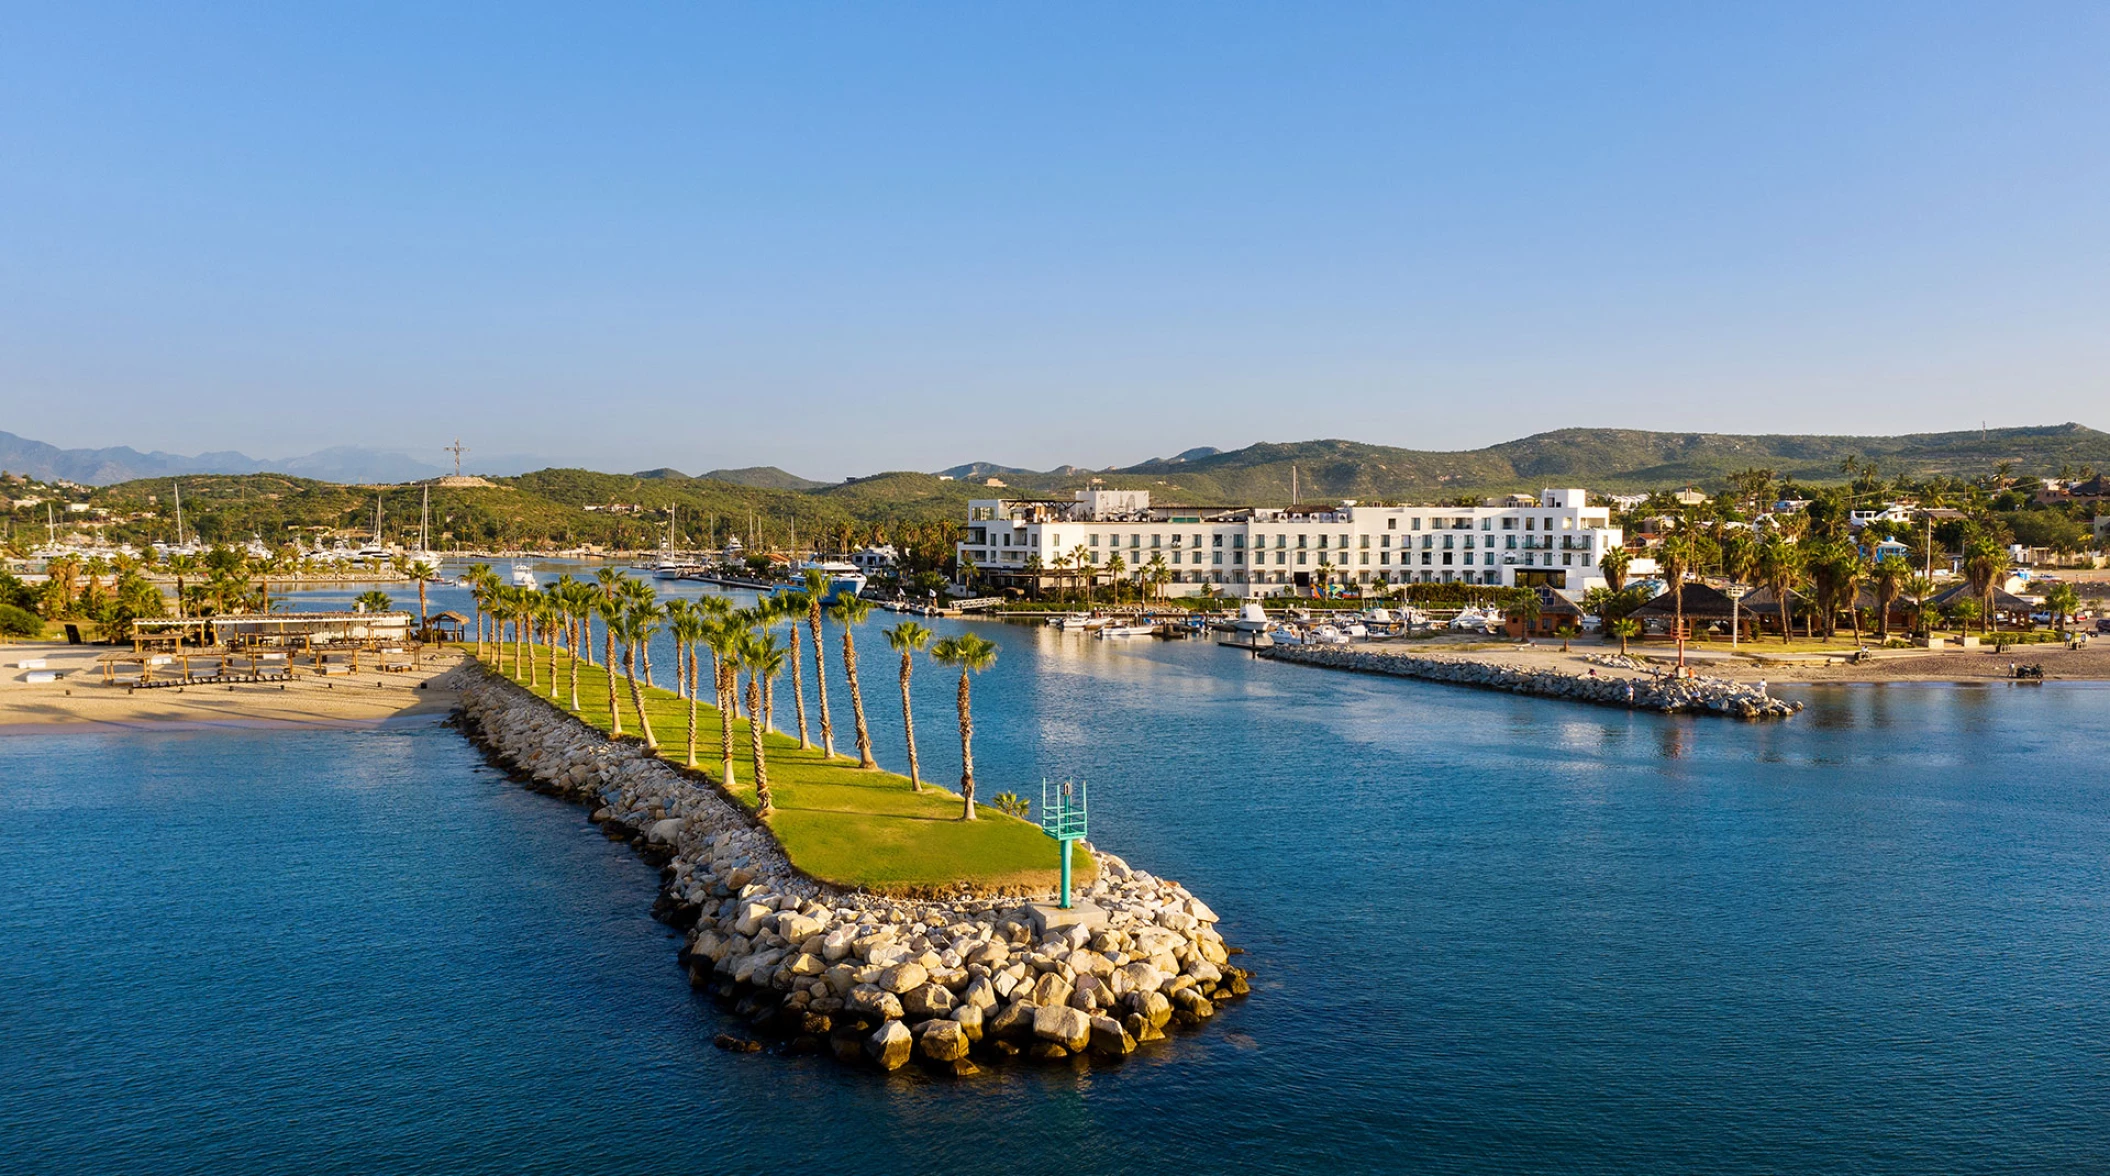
pixel 751 917
pixel 970 1020
pixel 943 1041
pixel 1050 989
pixel 1015 1021
pixel 874 1001
pixel 902 977
pixel 889 1045
pixel 1110 1039
pixel 664 832
pixel 1064 1026
pixel 1153 1006
pixel 926 1001
pixel 980 993
pixel 795 928
pixel 837 945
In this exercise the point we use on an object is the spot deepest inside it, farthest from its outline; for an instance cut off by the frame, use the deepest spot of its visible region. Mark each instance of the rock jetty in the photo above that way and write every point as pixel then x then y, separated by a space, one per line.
pixel 877 981
pixel 1706 696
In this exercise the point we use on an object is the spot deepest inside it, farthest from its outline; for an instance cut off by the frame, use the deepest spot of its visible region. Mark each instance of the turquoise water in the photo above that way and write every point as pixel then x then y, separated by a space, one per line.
pixel 1492 934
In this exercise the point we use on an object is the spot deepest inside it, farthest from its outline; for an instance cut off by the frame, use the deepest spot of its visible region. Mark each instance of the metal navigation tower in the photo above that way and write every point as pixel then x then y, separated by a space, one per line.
pixel 1062 816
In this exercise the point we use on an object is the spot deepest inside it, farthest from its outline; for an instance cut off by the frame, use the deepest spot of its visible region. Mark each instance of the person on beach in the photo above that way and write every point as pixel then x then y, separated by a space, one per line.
pixel 1761 685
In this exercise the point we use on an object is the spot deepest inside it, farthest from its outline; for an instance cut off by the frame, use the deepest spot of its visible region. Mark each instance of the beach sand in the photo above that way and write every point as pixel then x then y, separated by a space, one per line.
pixel 79 701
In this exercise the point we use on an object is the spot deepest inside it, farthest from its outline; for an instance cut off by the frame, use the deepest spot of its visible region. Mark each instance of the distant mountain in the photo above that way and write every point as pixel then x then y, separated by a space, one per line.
pixel 983 469
pixel 340 463
pixel 765 478
pixel 1597 459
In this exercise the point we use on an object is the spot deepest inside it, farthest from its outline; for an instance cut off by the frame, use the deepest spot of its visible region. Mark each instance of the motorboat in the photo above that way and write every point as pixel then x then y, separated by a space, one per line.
pixel 1127 630
pixel 843 578
pixel 1251 619
pixel 524 577
pixel 1326 635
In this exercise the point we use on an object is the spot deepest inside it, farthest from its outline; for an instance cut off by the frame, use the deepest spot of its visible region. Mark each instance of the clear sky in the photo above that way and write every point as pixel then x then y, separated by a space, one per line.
pixel 847 238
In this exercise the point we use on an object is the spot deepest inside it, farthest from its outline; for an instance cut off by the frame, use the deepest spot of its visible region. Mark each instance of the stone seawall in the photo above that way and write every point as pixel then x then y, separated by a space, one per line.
pixel 1707 696
pixel 877 981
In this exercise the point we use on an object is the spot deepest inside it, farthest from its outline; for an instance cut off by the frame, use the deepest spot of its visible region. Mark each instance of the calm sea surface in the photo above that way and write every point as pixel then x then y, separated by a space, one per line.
pixel 1492 935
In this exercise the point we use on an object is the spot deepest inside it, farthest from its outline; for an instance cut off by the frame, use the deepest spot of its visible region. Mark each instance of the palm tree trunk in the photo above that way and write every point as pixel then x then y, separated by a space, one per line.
pixel 908 724
pixel 820 680
pixel 966 750
pixel 637 693
pixel 725 723
pixel 692 706
pixel 857 703
pixel 798 687
pixel 575 665
pixel 754 739
pixel 615 710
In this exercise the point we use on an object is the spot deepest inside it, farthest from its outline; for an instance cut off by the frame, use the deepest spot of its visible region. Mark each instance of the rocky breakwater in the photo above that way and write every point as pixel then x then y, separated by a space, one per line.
pixel 875 980
pixel 1709 696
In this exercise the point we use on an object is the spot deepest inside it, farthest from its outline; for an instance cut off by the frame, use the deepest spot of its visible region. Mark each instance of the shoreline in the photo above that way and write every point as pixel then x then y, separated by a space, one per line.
pixel 79 703
pixel 877 981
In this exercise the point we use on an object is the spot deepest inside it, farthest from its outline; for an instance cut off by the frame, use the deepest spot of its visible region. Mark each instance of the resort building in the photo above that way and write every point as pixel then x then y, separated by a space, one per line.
pixel 1553 540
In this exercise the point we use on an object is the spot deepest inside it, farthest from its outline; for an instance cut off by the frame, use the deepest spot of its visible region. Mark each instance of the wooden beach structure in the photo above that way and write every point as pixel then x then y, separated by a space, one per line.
pixel 260 647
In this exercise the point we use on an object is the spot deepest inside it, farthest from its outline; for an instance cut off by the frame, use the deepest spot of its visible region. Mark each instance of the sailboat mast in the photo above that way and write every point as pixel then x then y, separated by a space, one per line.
pixel 179 512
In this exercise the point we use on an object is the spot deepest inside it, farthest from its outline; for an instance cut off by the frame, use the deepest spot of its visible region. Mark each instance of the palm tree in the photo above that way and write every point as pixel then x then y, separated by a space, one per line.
pixel 723 640
pixel 972 653
pixel 816 592
pixel 2062 600
pixel 481 579
pixel 906 638
pixel 579 600
pixel 182 566
pixel 1081 559
pixel 1891 572
pixel 1919 588
pixel 635 624
pixel 1983 563
pixel 791 606
pixel 610 611
pixel 762 656
pixel 1780 565
pixel 690 627
pixel 421 571
pixel 1156 574
pixel 1116 568
pixel 851 610
pixel 1624 628
pixel 673 610
pixel 1677 556
pixel 610 581
pixel 1614 565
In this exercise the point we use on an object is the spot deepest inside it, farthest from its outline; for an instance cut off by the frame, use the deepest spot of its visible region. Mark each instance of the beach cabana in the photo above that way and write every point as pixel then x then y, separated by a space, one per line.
pixel 1555 612
pixel 445 626
pixel 1705 607
pixel 2008 609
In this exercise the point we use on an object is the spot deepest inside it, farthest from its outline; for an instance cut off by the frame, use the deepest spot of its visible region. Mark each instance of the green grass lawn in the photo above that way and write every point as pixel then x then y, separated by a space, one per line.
pixel 839 824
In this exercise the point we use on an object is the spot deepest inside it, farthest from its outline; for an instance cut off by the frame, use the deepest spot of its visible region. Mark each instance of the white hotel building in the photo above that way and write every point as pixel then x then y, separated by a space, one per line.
pixel 1554 540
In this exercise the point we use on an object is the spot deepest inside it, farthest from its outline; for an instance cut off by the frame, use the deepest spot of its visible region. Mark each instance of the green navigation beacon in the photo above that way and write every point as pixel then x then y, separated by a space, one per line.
pixel 1062 817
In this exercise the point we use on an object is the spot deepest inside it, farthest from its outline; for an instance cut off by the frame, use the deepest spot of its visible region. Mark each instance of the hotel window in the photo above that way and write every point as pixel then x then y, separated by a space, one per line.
pixel 1157 540
pixel 1390 525
pixel 1510 541
pixel 1529 524
pixel 1135 540
pixel 1216 540
pixel 1365 558
pixel 1363 541
pixel 1384 557
pixel 1280 556
pixel 1322 543
pixel 1446 559
pixel 1175 539
pixel 1238 557
pixel 1468 542
pixel 1300 542
pixel 1508 524
pixel 1487 524
pixel 1216 557
pixel 1490 561
pixel 1300 557
pixel 1385 541
pixel 1237 544
pixel 1448 541
pixel 1091 539
pixel 1175 556
pixel 1426 559
pixel 1281 540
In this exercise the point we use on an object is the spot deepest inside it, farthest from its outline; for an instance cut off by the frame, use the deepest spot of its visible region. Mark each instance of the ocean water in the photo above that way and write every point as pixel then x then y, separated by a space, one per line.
pixel 1491 934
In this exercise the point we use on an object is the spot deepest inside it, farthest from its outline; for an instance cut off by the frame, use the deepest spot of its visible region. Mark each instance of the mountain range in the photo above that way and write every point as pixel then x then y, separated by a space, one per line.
pixel 1607 460
pixel 350 464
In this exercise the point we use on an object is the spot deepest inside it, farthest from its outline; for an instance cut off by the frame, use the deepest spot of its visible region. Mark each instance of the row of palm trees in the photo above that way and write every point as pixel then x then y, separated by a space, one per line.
pixel 737 640
pixel 1831 572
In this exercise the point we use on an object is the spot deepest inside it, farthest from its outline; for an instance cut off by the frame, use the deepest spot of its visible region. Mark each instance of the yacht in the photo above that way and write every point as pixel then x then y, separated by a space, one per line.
pixel 1251 619
pixel 1127 630
pixel 524 577
pixel 843 578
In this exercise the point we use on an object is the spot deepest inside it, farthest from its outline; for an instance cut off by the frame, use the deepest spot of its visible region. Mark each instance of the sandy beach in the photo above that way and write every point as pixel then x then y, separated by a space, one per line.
pixel 2091 663
pixel 79 700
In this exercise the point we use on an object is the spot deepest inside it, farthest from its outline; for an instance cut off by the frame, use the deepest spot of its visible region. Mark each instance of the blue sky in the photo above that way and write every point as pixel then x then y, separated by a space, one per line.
pixel 842 239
